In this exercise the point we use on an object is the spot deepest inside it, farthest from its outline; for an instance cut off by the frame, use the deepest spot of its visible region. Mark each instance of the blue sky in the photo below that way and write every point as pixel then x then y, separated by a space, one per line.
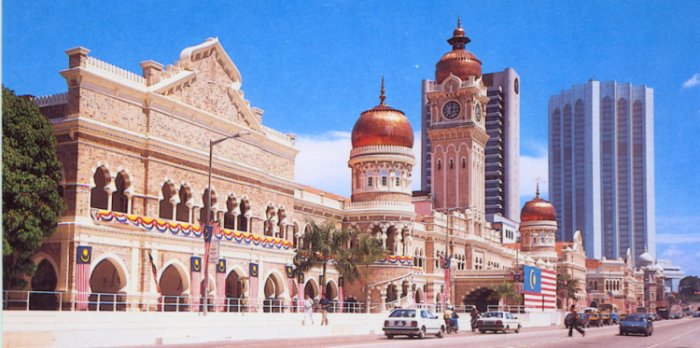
pixel 313 67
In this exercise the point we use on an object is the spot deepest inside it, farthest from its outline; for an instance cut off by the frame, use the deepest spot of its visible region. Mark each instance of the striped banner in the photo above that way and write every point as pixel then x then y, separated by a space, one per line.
pixel 546 298
pixel 83 258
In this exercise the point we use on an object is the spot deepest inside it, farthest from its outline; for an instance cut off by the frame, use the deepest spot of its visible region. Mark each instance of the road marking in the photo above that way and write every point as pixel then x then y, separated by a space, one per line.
pixel 675 338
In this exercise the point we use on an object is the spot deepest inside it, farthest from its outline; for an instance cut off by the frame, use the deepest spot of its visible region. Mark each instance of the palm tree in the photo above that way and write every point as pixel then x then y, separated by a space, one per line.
pixel 567 287
pixel 324 242
pixel 366 251
pixel 506 291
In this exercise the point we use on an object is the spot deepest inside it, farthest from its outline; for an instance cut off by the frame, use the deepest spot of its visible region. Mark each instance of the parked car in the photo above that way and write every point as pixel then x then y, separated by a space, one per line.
pixel 593 316
pixel 696 314
pixel 498 321
pixel 636 323
pixel 413 323
pixel 676 315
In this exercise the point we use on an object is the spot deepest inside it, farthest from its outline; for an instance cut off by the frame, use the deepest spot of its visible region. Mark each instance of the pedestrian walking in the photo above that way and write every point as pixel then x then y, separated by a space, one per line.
pixel 308 309
pixel 325 307
pixel 573 322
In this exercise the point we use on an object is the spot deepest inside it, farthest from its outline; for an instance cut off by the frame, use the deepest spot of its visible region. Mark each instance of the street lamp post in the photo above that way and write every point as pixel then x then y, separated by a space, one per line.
pixel 207 219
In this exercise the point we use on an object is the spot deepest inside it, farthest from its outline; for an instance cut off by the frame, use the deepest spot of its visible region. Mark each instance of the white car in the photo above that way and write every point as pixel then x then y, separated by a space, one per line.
pixel 498 321
pixel 413 323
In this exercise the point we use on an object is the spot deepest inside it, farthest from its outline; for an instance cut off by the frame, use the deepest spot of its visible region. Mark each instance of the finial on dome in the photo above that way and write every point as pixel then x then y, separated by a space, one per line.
pixel 537 187
pixel 459 22
pixel 381 95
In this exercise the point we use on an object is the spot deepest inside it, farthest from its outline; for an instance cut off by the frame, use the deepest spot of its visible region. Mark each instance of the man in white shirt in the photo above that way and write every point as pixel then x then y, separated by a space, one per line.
pixel 308 310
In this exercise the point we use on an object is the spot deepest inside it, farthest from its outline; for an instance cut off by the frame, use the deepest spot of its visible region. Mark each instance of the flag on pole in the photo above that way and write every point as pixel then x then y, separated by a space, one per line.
pixel 82 277
pixel 447 264
pixel 154 271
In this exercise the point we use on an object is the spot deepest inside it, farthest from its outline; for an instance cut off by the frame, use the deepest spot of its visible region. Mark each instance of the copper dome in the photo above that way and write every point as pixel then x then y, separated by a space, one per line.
pixel 459 61
pixel 538 210
pixel 382 125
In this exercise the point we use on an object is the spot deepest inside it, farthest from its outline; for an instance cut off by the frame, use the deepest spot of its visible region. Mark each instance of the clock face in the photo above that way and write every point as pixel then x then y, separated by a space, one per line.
pixel 477 111
pixel 451 109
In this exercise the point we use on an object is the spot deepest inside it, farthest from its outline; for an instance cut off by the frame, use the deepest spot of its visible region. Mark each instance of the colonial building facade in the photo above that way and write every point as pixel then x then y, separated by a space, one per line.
pixel 137 149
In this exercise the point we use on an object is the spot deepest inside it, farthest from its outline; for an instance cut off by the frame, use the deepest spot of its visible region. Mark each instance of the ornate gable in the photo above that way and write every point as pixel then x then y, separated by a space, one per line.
pixel 206 78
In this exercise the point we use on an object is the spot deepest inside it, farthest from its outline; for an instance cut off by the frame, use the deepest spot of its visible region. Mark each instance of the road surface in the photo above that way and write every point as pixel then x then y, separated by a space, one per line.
pixel 667 333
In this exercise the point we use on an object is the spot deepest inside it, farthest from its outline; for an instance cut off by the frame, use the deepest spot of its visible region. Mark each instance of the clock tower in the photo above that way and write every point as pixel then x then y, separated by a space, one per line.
pixel 455 115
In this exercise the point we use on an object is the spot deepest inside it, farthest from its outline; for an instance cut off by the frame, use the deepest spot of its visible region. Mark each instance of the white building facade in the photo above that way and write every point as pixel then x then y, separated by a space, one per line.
pixel 601 166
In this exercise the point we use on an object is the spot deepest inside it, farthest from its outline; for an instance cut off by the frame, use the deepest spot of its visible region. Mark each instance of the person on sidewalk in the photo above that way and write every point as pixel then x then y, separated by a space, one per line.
pixel 325 307
pixel 574 322
pixel 308 310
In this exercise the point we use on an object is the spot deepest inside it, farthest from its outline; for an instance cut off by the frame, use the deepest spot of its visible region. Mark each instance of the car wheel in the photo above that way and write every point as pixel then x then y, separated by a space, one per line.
pixel 439 334
pixel 518 329
pixel 422 332
pixel 389 336
pixel 482 331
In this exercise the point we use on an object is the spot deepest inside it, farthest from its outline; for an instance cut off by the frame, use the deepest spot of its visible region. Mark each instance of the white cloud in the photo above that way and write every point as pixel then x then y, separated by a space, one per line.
pixel 692 81
pixel 532 169
pixel 322 161
pixel 677 238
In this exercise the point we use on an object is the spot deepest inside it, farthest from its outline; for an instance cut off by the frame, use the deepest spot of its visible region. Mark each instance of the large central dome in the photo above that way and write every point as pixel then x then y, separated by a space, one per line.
pixel 459 61
pixel 538 209
pixel 382 125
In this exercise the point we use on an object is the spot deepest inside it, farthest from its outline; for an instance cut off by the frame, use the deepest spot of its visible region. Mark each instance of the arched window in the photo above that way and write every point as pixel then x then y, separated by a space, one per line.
pixel 243 219
pixel 439 165
pixel 464 163
pixel 229 217
pixel 369 181
pixel 99 198
pixel 452 164
pixel 205 203
pixel 120 201
pixel 183 211
pixel 166 204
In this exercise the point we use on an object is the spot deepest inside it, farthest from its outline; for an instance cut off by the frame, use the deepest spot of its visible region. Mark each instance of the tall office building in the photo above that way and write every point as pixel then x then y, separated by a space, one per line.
pixel 502 113
pixel 503 147
pixel 601 166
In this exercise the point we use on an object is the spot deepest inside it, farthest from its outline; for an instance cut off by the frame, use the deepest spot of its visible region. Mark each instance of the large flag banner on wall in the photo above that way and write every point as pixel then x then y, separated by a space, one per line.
pixel 83 259
pixel 539 288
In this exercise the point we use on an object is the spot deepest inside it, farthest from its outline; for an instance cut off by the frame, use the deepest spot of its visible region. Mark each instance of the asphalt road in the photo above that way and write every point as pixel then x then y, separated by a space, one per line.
pixel 667 334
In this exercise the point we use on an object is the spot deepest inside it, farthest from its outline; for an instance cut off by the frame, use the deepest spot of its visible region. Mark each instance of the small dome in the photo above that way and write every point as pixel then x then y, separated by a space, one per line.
pixel 382 125
pixel 459 61
pixel 538 209
pixel 645 259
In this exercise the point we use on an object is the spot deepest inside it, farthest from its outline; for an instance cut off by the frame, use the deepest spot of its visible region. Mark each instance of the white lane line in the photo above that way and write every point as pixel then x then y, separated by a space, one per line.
pixel 675 338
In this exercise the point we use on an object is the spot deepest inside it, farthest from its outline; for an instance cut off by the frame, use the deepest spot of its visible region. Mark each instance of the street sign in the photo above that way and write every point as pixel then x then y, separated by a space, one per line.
pixel 214 251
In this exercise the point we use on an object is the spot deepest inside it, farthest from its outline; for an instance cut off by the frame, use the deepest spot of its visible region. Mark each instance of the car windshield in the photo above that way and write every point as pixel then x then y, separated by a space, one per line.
pixel 403 313
pixel 634 317
pixel 493 315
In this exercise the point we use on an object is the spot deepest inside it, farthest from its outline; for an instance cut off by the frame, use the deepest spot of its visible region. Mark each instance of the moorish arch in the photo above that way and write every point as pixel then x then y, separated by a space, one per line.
pixel 331 290
pixel 122 192
pixel 244 207
pixel 235 290
pixel 418 297
pixel 99 193
pixel 108 284
pixel 169 198
pixel 273 291
pixel 482 298
pixel 311 289
pixel 174 286
pixel 43 284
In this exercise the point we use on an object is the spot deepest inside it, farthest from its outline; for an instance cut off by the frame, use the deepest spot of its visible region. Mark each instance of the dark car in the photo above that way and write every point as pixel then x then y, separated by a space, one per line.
pixel 696 314
pixel 636 323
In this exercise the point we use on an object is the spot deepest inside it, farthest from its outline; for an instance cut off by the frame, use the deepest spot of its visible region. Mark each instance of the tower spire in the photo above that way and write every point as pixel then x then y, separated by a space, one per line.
pixel 537 187
pixel 459 23
pixel 381 93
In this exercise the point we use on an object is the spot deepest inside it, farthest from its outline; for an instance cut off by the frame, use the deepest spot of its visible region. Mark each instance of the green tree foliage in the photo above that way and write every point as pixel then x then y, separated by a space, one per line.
pixel 364 252
pixel 505 291
pixel 31 172
pixel 322 244
pixel 567 287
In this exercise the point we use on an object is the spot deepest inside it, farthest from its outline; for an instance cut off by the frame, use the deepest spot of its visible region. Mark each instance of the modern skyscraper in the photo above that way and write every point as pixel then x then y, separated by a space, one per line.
pixel 503 146
pixel 601 166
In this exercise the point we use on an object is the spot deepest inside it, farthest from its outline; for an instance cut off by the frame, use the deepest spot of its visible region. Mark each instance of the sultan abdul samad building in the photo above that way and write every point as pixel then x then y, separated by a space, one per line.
pixel 135 149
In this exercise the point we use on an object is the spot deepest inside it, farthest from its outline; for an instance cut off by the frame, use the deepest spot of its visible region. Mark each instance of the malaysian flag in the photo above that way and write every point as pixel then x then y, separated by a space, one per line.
pixel 221 285
pixel 82 276
pixel 540 288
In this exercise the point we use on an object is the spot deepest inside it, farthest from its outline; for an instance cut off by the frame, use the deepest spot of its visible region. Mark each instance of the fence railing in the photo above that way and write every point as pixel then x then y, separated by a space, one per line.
pixel 512 309
pixel 115 302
